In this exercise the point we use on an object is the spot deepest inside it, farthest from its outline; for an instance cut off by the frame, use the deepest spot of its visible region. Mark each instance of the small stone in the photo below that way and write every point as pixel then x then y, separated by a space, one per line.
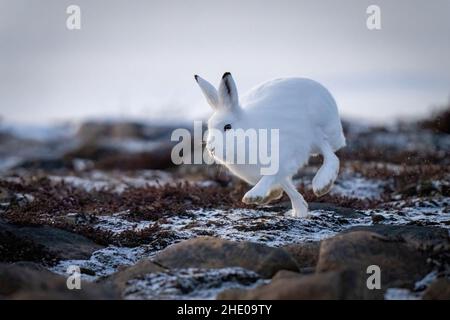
pixel 209 252
pixel 377 218
pixel 305 254
pixel 401 265
pixel 27 281
pixel 438 290
pixel 288 286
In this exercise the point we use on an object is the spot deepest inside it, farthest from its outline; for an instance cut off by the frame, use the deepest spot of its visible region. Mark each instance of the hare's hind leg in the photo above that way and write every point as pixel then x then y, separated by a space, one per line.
pixel 328 172
pixel 299 205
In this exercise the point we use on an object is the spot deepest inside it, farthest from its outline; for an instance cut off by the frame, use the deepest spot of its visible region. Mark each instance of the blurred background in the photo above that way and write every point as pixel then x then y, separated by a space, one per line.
pixel 136 59
pixel 117 87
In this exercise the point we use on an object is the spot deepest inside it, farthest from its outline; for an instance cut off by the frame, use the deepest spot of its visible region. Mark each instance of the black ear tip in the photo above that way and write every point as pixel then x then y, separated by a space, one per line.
pixel 226 74
pixel 196 77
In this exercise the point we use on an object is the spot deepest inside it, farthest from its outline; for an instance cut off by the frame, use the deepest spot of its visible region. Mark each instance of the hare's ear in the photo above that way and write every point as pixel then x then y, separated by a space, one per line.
pixel 228 95
pixel 209 91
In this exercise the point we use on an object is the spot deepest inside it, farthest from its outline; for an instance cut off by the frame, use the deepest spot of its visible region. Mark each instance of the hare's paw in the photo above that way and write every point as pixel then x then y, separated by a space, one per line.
pixel 324 179
pixel 328 172
pixel 322 186
pixel 301 212
pixel 297 214
pixel 254 196
pixel 274 194
pixel 299 208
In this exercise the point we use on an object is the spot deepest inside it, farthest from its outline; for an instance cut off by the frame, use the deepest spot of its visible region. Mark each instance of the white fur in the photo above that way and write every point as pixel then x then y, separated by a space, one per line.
pixel 308 121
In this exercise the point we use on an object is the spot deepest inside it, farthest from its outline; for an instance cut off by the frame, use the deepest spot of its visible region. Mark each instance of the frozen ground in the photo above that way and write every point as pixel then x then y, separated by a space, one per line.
pixel 104 190
pixel 267 227
pixel 270 228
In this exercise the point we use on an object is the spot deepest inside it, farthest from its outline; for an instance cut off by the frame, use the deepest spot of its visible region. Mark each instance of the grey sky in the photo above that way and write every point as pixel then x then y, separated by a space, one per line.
pixel 137 58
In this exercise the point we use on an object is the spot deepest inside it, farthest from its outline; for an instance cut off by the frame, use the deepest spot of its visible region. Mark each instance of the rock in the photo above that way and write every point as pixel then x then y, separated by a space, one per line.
pixel 377 218
pixel 98 130
pixel 420 189
pixel 79 218
pixel 157 159
pixel 44 164
pixel 90 151
pixel 109 156
pixel 7 198
pixel 417 237
pixel 124 145
pixel 438 290
pixel 119 279
pixel 286 274
pixel 31 266
pixel 127 130
pixel 6 195
pixel 209 252
pixel 60 243
pixel 307 270
pixel 305 254
pixel 187 284
pixel 400 264
pixel 94 130
pixel 27 281
pixel 325 286
pixel 13 248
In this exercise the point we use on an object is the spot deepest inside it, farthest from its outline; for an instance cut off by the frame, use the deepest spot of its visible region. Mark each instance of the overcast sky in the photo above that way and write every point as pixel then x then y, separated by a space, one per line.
pixel 137 58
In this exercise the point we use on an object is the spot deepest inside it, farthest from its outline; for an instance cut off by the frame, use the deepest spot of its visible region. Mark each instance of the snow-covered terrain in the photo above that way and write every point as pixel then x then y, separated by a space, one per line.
pixel 114 186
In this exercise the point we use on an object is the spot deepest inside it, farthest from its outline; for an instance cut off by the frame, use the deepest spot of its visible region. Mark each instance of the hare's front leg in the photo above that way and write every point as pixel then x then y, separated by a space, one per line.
pixel 260 193
pixel 299 205
pixel 275 193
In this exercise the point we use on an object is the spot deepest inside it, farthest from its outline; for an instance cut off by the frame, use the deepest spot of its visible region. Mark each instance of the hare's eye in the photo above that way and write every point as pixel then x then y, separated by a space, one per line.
pixel 227 127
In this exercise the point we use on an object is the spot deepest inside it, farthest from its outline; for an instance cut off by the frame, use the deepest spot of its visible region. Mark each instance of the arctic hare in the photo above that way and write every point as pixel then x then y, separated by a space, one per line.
pixel 307 118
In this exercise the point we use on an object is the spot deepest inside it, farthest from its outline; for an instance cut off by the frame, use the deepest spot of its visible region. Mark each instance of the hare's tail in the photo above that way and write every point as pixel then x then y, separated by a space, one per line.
pixel 324 179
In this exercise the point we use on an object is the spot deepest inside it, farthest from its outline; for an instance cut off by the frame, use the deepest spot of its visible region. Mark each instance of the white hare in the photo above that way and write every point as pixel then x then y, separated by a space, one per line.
pixel 307 118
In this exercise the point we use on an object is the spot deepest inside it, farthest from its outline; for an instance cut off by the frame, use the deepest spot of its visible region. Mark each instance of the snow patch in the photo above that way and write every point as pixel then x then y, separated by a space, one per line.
pixel 358 187
pixel 418 211
pixel 88 185
pixel 103 262
pixel 9 162
pixel 271 228
pixel 401 294
pixel 117 183
pixel 117 225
